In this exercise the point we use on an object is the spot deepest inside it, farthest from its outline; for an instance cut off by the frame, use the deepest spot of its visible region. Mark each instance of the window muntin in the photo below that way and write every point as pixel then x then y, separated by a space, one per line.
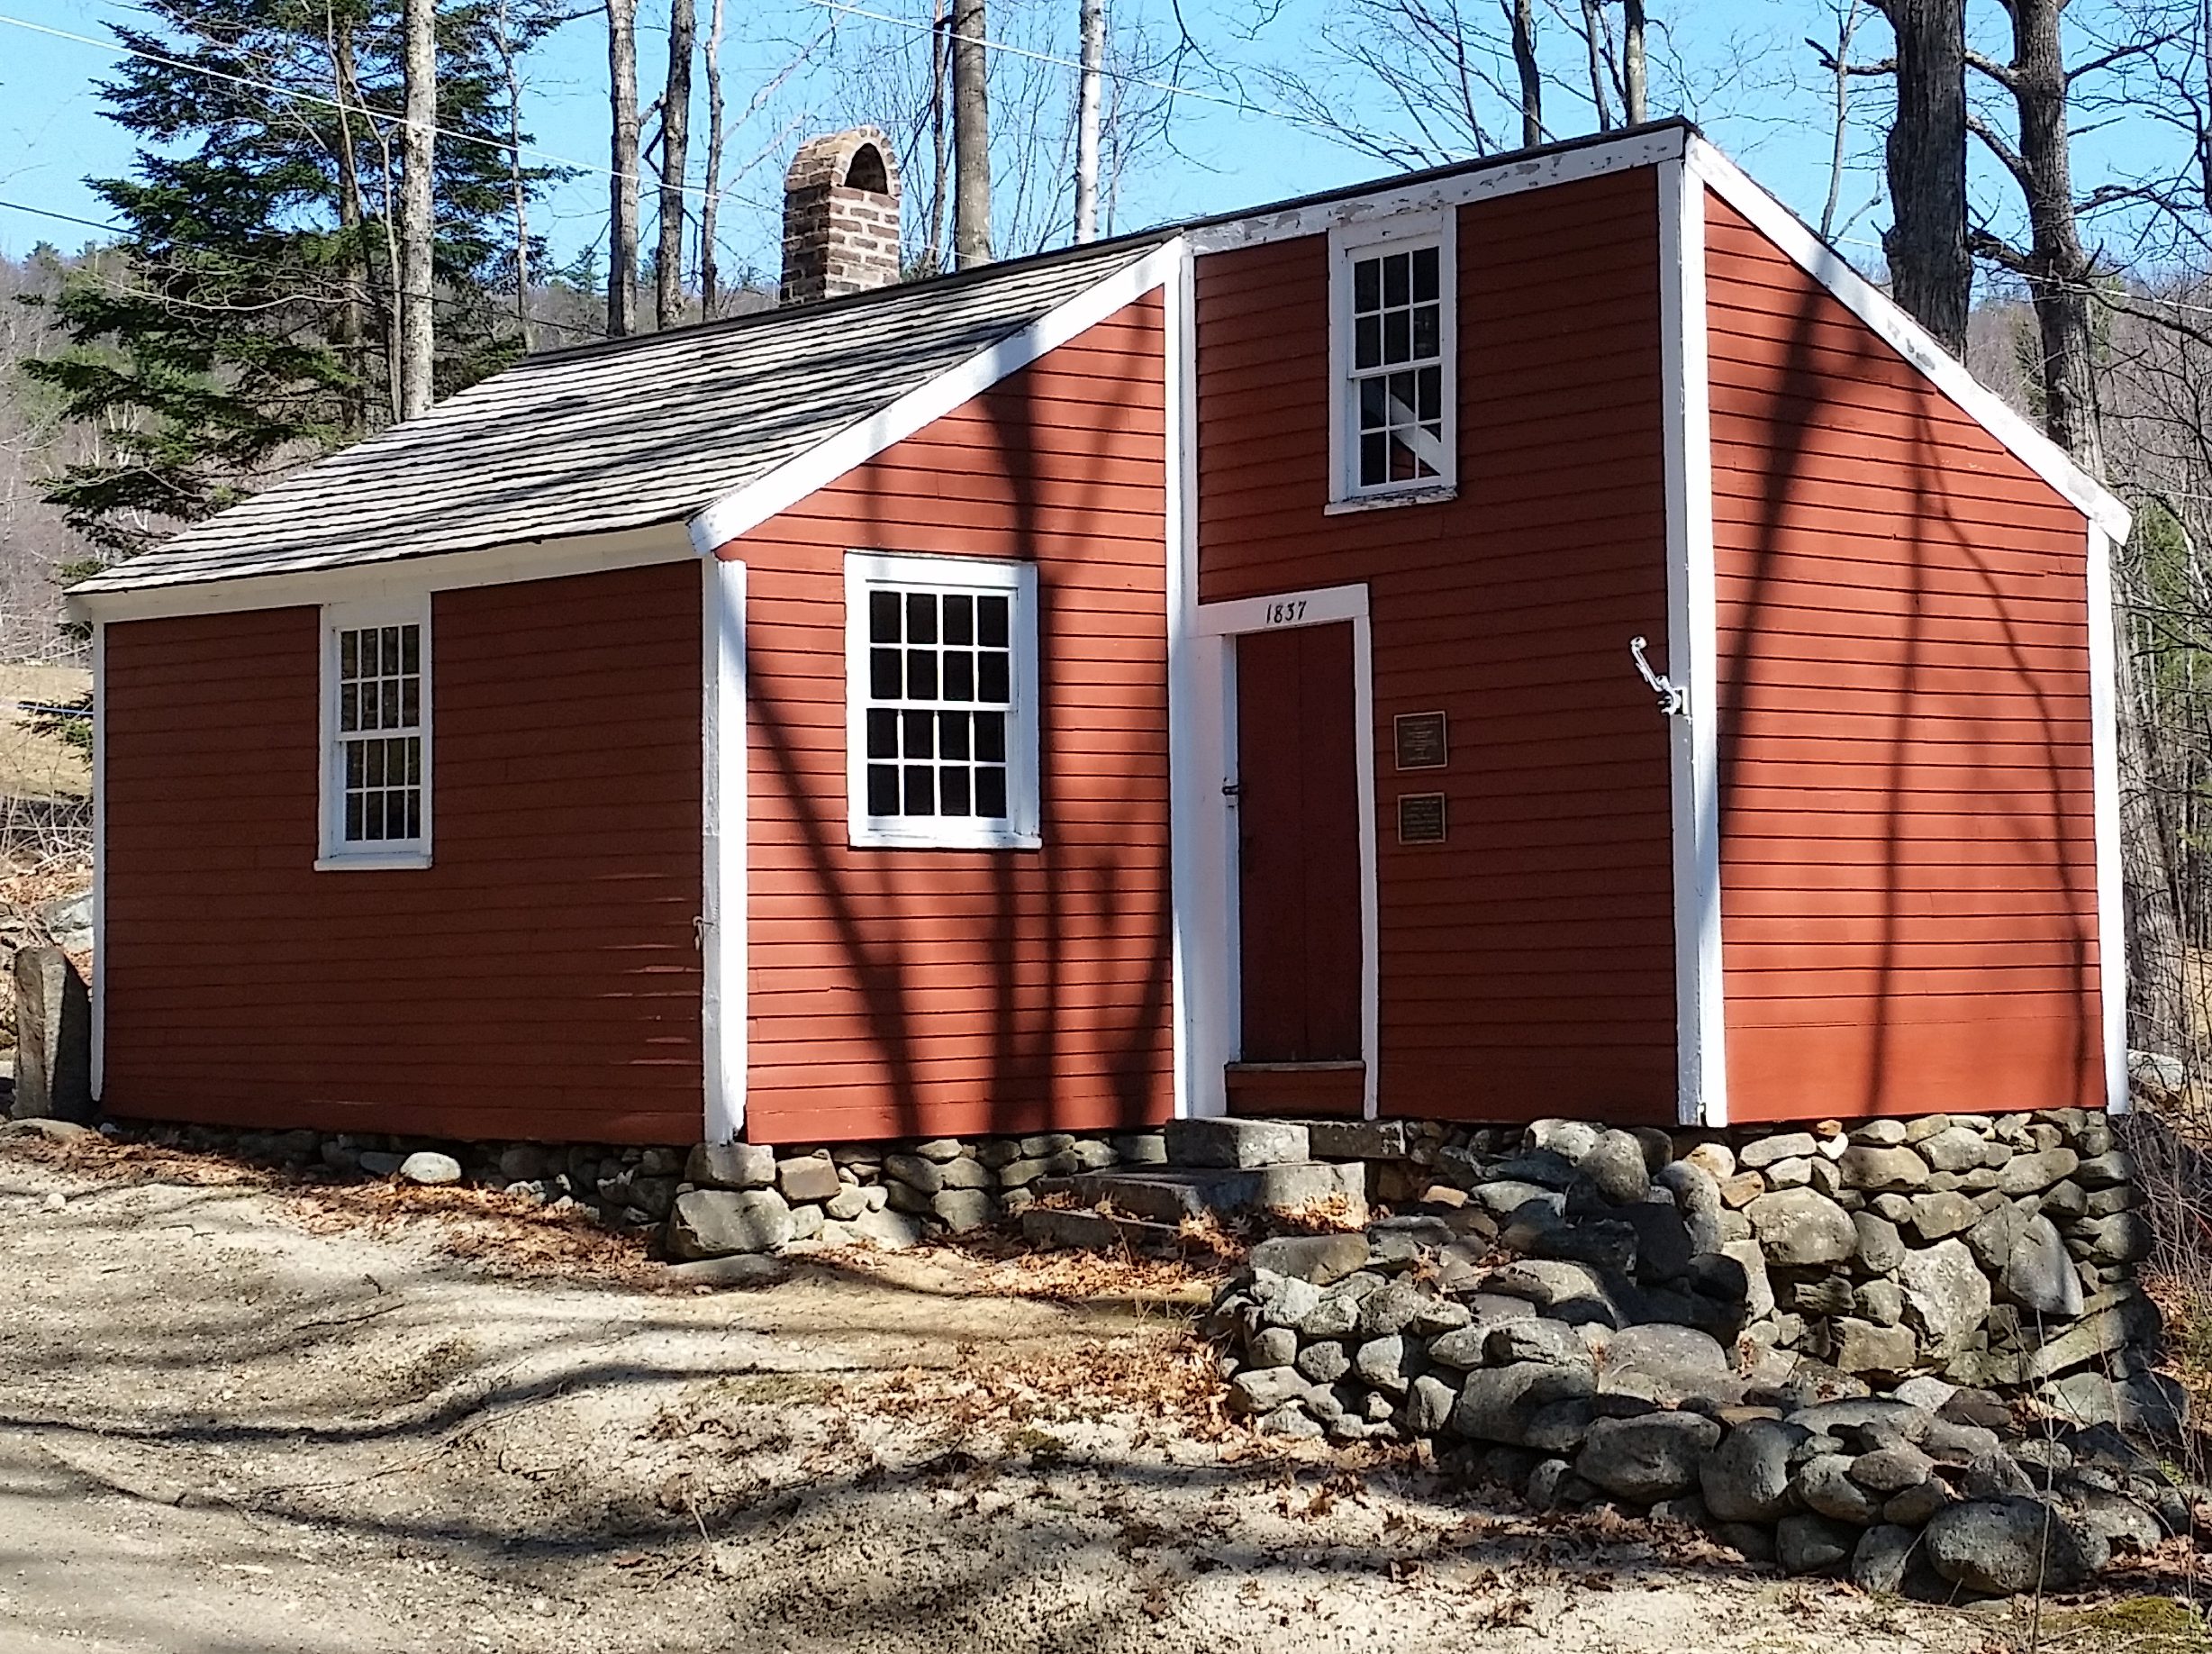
pixel 1393 344
pixel 941 714
pixel 376 731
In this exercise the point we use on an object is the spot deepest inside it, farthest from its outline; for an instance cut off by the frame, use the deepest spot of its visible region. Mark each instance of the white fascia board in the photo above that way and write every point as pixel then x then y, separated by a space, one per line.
pixel 754 503
pixel 2105 792
pixel 1908 339
pixel 1693 653
pixel 724 916
pixel 391 579
pixel 1567 165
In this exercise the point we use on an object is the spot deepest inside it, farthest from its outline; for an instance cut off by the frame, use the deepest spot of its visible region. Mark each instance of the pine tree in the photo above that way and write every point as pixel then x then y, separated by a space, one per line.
pixel 250 322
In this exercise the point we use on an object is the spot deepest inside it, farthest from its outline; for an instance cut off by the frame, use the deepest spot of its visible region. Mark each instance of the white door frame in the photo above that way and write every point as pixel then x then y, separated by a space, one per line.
pixel 1213 970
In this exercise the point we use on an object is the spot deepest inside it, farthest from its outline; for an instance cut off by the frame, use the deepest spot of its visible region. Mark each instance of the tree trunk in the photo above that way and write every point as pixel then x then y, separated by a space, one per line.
pixel 1531 76
pixel 1846 26
pixel 1930 268
pixel 674 150
pixel 1093 16
pixel 1634 63
pixel 517 186
pixel 710 297
pixel 970 136
pixel 349 332
pixel 418 194
pixel 940 74
pixel 1594 36
pixel 623 213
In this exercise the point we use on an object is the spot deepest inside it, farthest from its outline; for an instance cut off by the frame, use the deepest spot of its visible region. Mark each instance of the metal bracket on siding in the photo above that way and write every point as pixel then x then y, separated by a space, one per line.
pixel 1673 703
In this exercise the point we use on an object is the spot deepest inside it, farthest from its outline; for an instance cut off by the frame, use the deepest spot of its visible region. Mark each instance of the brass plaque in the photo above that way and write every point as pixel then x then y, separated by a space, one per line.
pixel 1420 818
pixel 1422 743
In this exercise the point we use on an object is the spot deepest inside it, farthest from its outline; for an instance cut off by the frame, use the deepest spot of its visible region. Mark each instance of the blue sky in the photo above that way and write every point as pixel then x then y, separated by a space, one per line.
pixel 1742 69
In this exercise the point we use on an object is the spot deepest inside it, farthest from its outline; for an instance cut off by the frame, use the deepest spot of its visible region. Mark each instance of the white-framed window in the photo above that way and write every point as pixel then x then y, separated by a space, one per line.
pixel 941 702
pixel 1394 351
pixel 376 735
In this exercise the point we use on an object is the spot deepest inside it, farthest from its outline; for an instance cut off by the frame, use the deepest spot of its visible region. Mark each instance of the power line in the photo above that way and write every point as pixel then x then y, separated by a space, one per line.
pixel 119 50
pixel 113 229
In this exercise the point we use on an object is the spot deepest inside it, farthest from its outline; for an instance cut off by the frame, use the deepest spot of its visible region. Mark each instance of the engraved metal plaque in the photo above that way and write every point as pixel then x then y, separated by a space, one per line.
pixel 1420 818
pixel 1422 740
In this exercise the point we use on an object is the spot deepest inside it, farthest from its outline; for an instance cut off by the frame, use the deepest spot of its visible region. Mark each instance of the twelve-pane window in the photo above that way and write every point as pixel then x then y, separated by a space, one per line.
pixel 379 730
pixel 1396 367
pixel 940 688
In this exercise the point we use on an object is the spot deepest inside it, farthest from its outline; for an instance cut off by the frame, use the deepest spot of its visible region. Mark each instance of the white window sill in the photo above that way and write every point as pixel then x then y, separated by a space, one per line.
pixel 1383 502
pixel 373 861
pixel 873 838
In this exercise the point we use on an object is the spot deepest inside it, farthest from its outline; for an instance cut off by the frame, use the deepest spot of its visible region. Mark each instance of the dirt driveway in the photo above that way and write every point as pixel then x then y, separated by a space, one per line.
pixel 239 1418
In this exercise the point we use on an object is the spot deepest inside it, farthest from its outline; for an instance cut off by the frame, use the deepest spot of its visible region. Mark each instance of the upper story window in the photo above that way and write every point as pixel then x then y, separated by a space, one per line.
pixel 376 736
pixel 1394 343
pixel 941 702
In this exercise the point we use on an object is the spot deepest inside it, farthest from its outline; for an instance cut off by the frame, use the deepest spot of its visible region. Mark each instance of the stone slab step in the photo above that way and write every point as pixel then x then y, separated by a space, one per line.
pixel 1095 1232
pixel 1240 1143
pixel 1170 1193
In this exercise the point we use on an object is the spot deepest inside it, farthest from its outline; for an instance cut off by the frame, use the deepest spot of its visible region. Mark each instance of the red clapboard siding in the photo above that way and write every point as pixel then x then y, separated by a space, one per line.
pixel 1909 885
pixel 925 993
pixel 540 980
pixel 1527 963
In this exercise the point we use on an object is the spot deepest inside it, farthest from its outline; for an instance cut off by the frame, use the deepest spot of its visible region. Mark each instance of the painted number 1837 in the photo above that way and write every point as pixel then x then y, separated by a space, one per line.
pixel 1288 613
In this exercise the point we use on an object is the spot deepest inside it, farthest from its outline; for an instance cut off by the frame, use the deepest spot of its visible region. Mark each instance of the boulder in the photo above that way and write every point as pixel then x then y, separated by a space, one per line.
pixel 1324 1361
pixel 2031 1174
pixel 1808 1543
pixel 1893 1469
pixel 718 1223
pixel 1947 1294
pixel 1570 1140
pixel 1879 1561
pixel 1536 1338
pixel 2008 1546
pixel 1865 1167
pixel 1275 1347
pixel 1507 1197
pixel 53 1039
pixel 1824 1483
pixel 1264 1389
pixel 1614 1164
pixel 924 1176
pixel 430 1167
pixel 881 1227
pixel 1223 1142
pixel 2038 1275
pixel 1428 1405
pixel 1881 1248
pixel 1496 1403
pixel 1746 1479
pixel 1954 1149
pixel 1697 1200
pixel 1642 1459
pixel 810 1177
pixel 2123 1238
pixel 1797 1227
pixel 1783 1146
pixel 1386 1363
pixel 1868 1347
pixel 1941 1213
pixel 2146 1405
pixel 1318 1258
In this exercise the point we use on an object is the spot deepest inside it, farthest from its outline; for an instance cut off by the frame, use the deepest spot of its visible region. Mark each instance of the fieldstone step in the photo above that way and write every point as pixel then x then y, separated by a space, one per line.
pixel 1241 1143
pixel 1170 1193
pixel 1094 1231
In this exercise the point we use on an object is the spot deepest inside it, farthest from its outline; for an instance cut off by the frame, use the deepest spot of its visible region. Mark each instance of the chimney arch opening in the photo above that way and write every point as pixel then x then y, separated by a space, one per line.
pixel 865 171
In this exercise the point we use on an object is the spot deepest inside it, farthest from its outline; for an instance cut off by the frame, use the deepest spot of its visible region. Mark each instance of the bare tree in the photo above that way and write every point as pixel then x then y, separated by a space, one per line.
pixel 1531 76
pixel 1849 15
pixel 674 154
pixel 1931 269
pixel 1093 23
pixel 710 274
pixel 1594 38
pixel 1634 63
pixel 418 328
pixel 622 185
pixel 971 135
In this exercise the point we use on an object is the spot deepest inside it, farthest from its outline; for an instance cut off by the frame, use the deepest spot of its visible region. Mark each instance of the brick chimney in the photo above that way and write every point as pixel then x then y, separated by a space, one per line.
pixel 840 216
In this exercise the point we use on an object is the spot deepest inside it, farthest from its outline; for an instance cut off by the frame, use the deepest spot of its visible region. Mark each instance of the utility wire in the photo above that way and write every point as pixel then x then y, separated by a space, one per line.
pixel 117 49
pixel 94 224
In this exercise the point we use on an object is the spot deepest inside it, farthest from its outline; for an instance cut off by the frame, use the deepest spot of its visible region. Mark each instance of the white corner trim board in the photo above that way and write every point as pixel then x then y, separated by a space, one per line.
pixel 99 859
pixel 749 507
pixel 723 888
pixel 1193 950
pixel 1505 177
pixel 1692 653
pixel 1907 337
pixel 2105 791
pixel 391 578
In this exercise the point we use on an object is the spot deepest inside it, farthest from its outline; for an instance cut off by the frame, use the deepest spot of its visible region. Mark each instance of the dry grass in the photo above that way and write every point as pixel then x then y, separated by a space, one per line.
pixel 35 764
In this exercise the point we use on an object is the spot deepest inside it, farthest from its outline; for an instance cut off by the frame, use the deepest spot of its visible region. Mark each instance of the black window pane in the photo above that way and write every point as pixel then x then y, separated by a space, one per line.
pixel 1368 284
pixel 349 707
pixel 1371 405
pixel 1396 278
pixel 414 763
pixel 414 815
pixel 884 675
pixel 921 790
pixel 990 737
pixel 1397 336
pixel 991 791
pixel 349 654
pixel 354 829
pixel 952 735
pixel 372 758
pixel 411 648
pixel 883 790
pixel 991 621
pixel 374 805
pixel 921 674
pixel 1367 342
pixel 959 676
pixel 991 677
pixel 1429 388
pixel 1424 270
pixel 952 791
pixel 882 734
pixel 883 617
pixel 1426 338
pixel 1375 458
pixel 1401 398
pixel 921 617
pixel 959 620
pixel 920 728
pixel 411 702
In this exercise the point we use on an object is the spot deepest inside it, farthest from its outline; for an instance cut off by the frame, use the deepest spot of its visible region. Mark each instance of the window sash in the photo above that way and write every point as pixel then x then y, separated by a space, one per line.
pixel 376 749
pixel 1395 344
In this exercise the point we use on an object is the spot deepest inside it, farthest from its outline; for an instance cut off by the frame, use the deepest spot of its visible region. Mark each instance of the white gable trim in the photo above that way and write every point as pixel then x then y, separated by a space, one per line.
pixel 1907 337
pixel 1508 177
pixel 754 503
pixel 395 579
pixel 1692 654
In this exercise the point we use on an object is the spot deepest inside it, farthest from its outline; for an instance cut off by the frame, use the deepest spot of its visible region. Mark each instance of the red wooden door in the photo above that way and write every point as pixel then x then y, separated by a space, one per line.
pixel 1298 825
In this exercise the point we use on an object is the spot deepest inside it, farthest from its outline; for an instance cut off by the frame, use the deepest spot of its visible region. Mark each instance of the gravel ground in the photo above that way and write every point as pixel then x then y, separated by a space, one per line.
pixel 237 1418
